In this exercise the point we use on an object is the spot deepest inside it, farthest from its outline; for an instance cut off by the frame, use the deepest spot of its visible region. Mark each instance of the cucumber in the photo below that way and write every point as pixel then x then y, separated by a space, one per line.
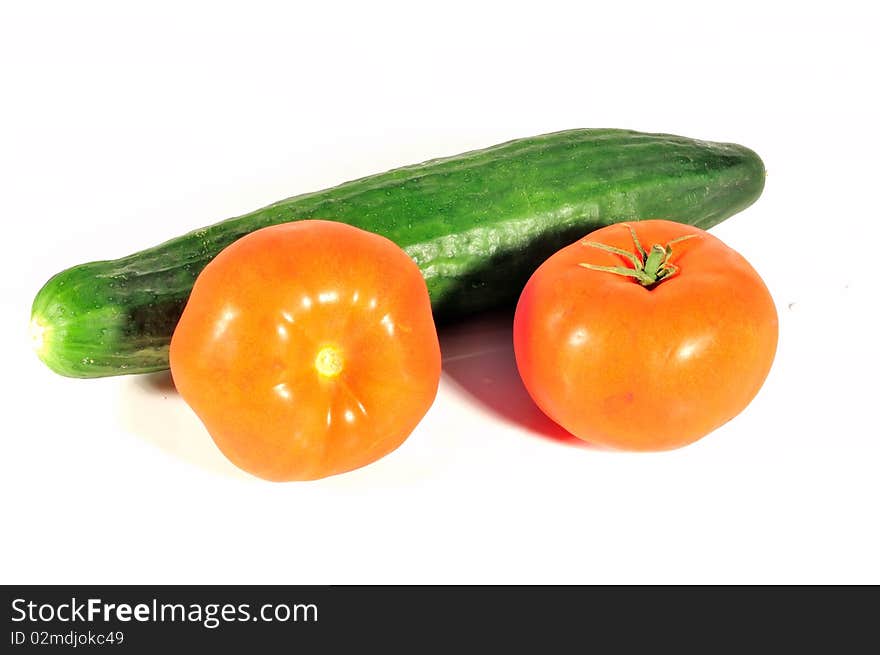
pixel 478 225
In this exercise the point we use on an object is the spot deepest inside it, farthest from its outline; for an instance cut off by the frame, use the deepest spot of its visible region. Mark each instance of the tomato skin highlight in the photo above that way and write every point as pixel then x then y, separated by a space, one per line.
pixel 625 366
pixel 308 349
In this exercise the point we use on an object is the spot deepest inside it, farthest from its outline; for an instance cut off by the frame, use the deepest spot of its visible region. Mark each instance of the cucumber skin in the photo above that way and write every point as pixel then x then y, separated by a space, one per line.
pixel 478 225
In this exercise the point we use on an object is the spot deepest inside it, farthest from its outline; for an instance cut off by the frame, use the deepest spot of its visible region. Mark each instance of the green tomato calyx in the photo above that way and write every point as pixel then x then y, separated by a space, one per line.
pixel 649 268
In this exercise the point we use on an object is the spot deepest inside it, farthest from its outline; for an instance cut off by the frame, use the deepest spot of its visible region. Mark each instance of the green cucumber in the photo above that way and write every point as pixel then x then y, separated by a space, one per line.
pixel 477 224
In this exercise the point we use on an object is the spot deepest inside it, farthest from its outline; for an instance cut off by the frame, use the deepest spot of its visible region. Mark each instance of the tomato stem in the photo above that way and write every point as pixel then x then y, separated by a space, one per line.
pixel 649 268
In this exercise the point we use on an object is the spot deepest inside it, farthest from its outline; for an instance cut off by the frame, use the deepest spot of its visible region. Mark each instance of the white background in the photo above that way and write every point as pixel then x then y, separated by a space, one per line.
pixel 124 126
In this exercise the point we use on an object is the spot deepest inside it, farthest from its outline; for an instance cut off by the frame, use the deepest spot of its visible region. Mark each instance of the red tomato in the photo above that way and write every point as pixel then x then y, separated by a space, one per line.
pixel 652 363
pixel 308 349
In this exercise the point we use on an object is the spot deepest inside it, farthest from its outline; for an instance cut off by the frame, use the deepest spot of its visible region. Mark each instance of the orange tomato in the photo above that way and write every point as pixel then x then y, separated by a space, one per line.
pixel 645 360
pixel 308 349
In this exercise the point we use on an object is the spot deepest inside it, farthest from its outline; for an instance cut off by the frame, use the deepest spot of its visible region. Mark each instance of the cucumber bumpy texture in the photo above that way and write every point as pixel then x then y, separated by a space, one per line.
pixel 477 224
